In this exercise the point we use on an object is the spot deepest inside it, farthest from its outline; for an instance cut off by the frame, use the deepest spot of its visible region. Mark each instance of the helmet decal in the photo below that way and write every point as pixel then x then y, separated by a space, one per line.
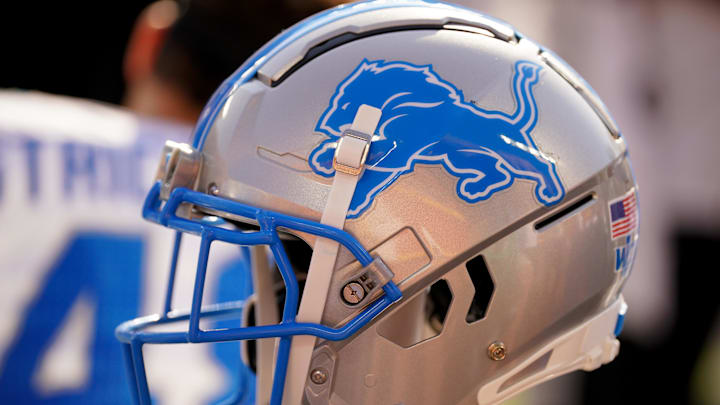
pixel 426 120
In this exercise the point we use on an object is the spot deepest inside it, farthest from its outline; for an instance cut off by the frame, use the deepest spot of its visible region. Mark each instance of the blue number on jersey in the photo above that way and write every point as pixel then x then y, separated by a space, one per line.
pixel 105 268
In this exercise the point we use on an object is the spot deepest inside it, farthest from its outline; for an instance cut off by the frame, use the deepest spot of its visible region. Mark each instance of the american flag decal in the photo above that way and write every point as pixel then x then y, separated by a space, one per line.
pixel 623 215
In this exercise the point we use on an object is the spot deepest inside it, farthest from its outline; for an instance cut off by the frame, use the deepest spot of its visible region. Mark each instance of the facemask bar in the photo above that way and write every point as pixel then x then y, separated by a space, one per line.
pixel 134 334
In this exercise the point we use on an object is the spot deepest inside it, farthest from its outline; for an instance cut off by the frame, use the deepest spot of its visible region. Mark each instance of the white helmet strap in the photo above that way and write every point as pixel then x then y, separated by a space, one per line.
pixel 349 161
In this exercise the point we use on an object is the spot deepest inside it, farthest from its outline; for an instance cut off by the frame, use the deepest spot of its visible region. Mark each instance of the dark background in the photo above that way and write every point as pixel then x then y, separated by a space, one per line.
pixel 65 47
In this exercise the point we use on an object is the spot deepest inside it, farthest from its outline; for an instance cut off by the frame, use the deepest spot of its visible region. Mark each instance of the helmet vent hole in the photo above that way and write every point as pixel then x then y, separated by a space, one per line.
pixel 566 212
pixel 484 287
pixel 421 318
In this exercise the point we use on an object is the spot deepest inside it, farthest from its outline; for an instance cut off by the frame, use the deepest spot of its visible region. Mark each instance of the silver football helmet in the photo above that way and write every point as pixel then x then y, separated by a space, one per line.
pixel 465 200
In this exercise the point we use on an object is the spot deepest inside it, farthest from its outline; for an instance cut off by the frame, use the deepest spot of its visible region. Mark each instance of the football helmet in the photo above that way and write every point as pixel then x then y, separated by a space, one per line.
pixel 464 198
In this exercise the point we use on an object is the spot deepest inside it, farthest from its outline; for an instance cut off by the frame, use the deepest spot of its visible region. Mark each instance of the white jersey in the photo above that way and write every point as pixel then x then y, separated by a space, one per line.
pixel 76 258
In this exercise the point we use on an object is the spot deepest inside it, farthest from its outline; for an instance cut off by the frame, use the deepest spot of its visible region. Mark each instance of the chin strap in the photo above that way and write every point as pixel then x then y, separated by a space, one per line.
pixel 350 154
pixel 266 313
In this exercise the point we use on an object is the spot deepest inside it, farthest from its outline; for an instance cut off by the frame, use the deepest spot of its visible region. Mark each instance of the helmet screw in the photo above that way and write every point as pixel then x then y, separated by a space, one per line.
pixel 213 189
pixel 353 293
pixel 496 351
pixel 319 376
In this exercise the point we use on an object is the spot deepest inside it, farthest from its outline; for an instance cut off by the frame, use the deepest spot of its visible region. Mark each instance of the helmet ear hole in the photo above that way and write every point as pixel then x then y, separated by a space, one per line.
pixel 299 253
pixel 438 304
pixel 421 318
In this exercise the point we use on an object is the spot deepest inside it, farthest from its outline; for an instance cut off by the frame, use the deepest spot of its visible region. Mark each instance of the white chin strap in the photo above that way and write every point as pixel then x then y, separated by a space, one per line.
pixel 266 313
pixel 350 155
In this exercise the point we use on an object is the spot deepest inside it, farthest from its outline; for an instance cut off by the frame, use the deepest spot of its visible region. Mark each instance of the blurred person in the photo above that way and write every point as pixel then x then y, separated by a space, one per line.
pixel 180 51
pixel 75 255
pixel 73 252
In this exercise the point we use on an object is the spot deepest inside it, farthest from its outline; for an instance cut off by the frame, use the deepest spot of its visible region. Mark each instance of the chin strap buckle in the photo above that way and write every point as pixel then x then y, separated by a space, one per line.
pixel 351 152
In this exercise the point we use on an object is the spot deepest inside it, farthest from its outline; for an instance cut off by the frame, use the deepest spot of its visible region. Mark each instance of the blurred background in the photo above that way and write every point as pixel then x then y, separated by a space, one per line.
pixel 89 91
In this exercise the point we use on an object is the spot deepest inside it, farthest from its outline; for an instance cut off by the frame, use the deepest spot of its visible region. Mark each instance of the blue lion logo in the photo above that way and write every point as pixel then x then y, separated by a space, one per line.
pixel 426 120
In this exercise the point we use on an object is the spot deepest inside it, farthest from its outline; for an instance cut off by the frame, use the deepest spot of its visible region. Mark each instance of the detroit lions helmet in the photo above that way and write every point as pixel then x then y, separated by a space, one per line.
pixel 455 201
